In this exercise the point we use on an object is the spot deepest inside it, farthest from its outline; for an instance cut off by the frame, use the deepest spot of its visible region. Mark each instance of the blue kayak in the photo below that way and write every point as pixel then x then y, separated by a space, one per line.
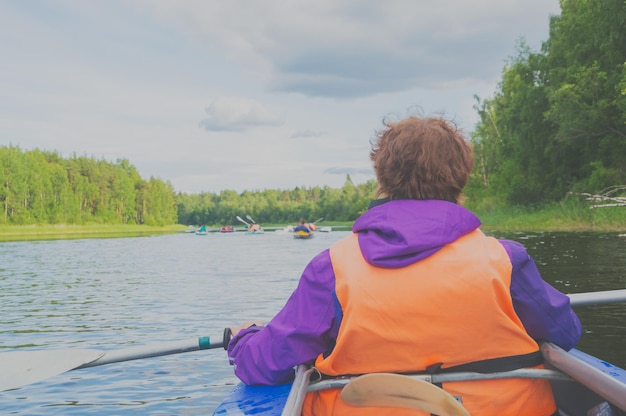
pixel 254 400
pixel 582 384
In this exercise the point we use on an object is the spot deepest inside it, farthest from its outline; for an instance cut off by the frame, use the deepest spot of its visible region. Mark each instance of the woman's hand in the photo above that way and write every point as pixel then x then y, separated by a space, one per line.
pixel 235 329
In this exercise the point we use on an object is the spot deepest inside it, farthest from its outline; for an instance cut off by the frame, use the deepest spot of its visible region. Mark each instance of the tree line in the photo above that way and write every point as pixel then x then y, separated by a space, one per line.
pixel 40 187
pixel 277 206
pixel 555 125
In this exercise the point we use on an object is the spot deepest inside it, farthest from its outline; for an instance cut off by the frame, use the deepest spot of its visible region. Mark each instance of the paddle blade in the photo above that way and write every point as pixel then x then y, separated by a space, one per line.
pixel 395 390
pixel 20 368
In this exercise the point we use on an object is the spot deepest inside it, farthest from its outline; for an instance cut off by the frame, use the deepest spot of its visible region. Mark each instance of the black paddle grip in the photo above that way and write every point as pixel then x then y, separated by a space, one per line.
pixel 228 334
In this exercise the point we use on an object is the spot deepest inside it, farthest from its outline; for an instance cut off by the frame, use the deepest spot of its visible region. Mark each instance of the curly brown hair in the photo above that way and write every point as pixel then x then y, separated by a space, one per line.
pixel 421 158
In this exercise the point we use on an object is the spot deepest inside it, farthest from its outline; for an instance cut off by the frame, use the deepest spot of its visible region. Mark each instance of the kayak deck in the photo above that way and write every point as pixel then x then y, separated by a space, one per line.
pixel 254 400
pixel 572 396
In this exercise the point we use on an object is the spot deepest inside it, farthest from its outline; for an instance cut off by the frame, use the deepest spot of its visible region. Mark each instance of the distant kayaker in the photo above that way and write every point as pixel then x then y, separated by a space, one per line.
pixel 302 226
pixel 416 288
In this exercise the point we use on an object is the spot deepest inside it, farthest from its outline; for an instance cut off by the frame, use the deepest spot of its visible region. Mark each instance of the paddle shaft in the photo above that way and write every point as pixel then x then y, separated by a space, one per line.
pixel 597 298
pixel 203 343
pixel 156 350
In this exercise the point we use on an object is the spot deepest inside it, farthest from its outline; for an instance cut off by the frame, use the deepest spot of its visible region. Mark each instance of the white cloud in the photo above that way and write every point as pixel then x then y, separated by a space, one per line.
pixel 307 134
pixel 238 114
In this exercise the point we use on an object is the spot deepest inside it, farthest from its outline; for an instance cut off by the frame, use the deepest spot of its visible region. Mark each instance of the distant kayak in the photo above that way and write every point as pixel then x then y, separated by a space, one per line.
pixel 303 234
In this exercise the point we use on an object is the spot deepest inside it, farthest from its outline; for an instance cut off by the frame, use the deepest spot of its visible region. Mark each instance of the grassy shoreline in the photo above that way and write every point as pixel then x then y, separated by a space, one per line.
pixel 574 217
pixel 66 231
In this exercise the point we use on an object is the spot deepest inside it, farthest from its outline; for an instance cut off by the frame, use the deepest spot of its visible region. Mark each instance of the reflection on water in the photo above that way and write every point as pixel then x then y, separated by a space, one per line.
pixel 115 293
pixel 586 262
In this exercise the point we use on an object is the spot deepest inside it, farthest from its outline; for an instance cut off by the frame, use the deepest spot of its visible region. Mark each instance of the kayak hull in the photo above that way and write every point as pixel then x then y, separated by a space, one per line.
pixel 302 235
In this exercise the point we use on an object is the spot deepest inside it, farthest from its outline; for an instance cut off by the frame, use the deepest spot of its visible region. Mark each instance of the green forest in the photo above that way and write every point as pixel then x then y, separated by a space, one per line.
pixel 40 187
pixel 556 123
pixel 555 126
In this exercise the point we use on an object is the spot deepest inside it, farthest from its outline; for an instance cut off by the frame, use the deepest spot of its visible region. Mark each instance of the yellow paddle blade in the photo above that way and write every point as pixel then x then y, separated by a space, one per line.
pixel 395 390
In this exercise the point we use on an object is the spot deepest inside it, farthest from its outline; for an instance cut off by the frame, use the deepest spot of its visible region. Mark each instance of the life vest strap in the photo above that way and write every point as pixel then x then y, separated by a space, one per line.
pixel 492 365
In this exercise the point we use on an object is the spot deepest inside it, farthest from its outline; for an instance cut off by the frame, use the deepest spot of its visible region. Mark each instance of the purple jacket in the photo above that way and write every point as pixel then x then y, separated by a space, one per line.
pixel 391 235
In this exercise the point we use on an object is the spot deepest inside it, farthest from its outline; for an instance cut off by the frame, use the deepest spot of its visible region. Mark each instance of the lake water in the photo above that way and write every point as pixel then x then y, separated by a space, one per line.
pixel 108 294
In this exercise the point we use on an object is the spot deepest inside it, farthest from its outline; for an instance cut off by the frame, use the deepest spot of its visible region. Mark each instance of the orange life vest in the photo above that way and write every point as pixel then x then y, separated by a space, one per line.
pixel 451 308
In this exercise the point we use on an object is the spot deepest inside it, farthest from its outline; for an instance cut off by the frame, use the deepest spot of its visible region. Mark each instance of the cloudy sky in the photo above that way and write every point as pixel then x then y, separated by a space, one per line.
pixel 247 95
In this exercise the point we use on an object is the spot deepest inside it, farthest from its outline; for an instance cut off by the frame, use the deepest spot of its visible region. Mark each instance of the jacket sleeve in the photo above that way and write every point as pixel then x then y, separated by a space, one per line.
pixel 545 312
pixel 304 328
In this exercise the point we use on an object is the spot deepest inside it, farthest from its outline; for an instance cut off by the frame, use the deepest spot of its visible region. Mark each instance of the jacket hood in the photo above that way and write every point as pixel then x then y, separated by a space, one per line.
pixel 397 233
